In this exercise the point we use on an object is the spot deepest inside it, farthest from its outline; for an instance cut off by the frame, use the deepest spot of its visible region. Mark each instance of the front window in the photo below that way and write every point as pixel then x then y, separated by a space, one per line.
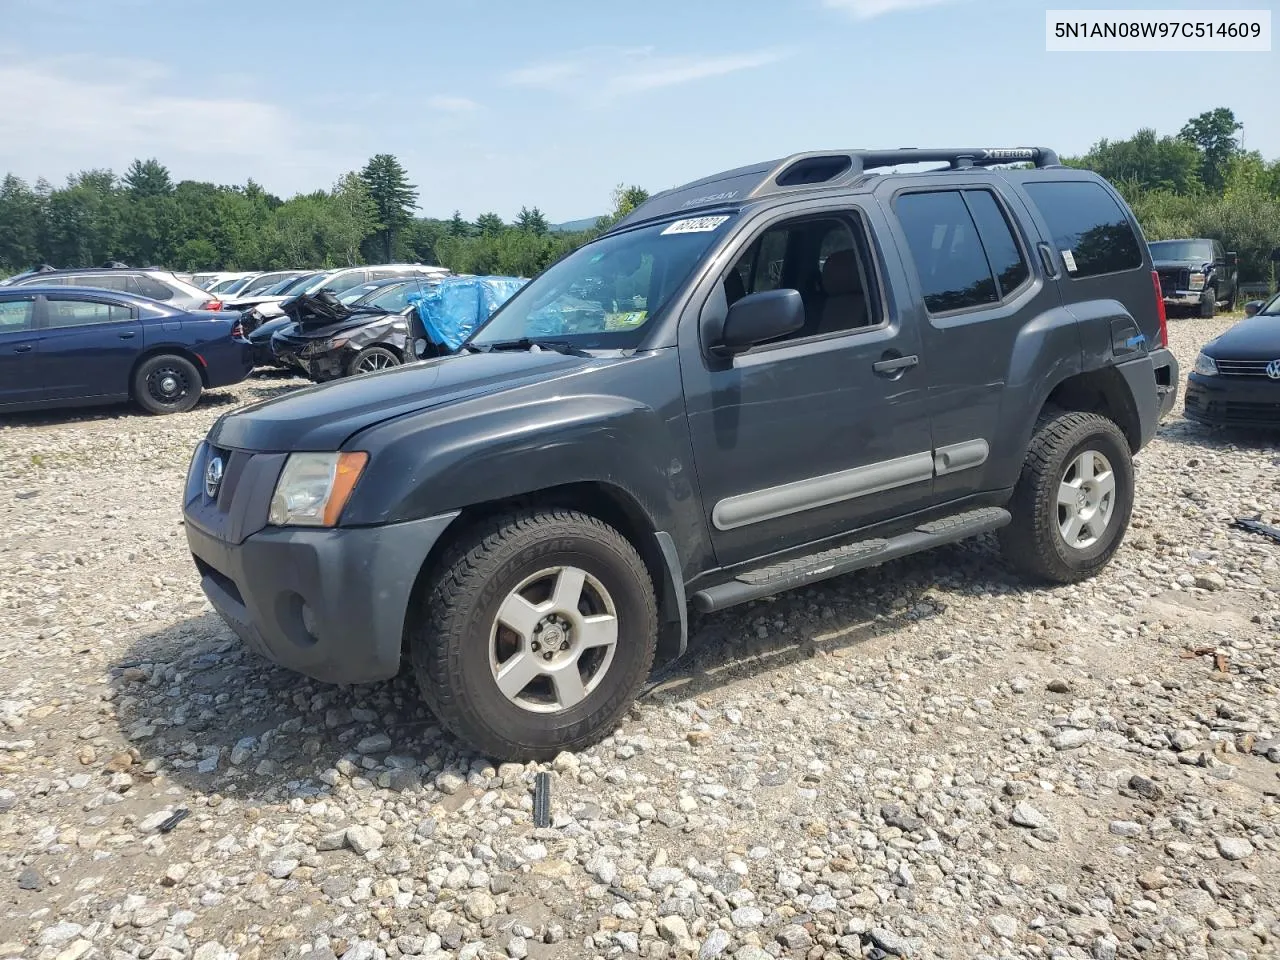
pixel 1271 308
pixel 1199 250
pixel 606 294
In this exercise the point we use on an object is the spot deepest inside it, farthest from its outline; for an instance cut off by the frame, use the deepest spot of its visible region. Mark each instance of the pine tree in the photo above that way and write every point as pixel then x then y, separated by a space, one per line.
pixel 394 197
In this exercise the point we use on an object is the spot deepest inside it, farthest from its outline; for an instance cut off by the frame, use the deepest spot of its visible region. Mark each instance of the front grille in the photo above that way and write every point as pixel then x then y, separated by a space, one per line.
pixel 1252 412
pixel 1171 280
pixel 1242 368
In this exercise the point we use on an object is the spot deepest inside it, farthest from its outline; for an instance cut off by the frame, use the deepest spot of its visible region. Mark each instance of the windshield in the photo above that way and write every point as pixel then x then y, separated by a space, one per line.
pixel 392 297
pixel 605 294
pixel 1181 250
pixel 295 284
pixel 237 286
pixel 356 293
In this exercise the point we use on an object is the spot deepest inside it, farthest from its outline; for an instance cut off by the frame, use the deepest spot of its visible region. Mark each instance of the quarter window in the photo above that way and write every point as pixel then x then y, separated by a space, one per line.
pixel 1088 227
pixel 81 313
pixel 953 267
pixel 15 315
pixel 151 288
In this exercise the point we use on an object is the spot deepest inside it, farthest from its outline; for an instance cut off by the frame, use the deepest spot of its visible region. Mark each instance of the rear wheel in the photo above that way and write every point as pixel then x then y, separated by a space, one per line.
pixel 1072 503
pixel 1209 303
pixel 373 359
pixel 167 384
pixel 536 634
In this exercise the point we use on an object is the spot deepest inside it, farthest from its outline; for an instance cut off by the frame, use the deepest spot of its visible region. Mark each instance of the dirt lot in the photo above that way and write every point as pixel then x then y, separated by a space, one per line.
pixel 929 759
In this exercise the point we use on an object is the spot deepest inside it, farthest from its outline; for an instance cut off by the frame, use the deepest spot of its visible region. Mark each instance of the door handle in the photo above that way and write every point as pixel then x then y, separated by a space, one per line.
pixel 127 336
pixel 895 364
pixel 1046 257
pixel 22 348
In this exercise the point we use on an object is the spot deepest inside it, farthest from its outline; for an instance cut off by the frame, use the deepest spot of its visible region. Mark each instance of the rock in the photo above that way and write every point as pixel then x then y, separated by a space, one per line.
pixel 1234 848
pixel 58 934
pixel 1145 787
pixel 1022 875
pixel 151 822
pixel 30 879
pixel 517 948
pixel 377 743
pixel 1071 739
pixel 1125 828
pixel 715 944
pixel 480 905
pixel 1210 581
pixel 1153 880
pixel 795 937
pixel 896 816
pixel 890 942
pixel 211 951
pixel 282 868
pixel 363 839
pixel 8 800
pixel 672 929
pixel 1025 815
pixel 1058 685
pixel 449 783
pixel 1003 925
pixel 1183 740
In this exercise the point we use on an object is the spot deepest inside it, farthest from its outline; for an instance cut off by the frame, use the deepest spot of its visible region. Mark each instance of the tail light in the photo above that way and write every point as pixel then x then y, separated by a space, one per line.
pixel 211 305
pixel 1160 311
pixel 237 330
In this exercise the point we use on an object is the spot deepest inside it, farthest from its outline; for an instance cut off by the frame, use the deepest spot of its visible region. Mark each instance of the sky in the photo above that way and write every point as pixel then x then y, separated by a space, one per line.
pixel 499 104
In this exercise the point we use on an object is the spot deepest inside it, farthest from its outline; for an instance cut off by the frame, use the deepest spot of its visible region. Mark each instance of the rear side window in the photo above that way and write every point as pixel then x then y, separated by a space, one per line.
pixel 81 313
pixel 1088 226
pixel 151 288
pixel 15 315
pixel 953 268
pixel 1003 253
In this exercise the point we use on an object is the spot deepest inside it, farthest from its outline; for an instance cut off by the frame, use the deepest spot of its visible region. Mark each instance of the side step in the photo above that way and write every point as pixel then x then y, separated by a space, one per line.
pixel 766 581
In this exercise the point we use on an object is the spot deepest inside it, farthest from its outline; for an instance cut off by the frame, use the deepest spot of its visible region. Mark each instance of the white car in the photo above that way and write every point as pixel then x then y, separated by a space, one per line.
pixel 337 282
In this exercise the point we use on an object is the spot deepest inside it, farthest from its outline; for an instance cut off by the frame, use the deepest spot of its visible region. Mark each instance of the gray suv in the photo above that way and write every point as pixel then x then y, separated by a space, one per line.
pixel 158 285
pixel 763 379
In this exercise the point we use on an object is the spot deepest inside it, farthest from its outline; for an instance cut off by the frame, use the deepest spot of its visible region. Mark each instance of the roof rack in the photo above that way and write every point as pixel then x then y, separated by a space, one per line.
pixel 827 168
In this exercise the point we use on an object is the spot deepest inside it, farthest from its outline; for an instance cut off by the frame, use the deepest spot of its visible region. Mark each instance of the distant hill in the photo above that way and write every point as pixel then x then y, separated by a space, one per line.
pixel 573 226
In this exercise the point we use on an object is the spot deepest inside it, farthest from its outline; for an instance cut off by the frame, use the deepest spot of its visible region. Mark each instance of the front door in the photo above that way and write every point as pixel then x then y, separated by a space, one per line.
pixel 824 431
pixel 87 346
pixel 19 351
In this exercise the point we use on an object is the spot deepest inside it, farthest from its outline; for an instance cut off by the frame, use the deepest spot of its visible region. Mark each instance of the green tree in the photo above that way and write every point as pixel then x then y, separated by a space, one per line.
pixel 532 221
pixel 1145 162
pixel 489 225
pixel 1214 133
pixel 625 199
pixel 355 216
pixel 148 178
pixel 458 226
pixel 21 221
pixel 394 198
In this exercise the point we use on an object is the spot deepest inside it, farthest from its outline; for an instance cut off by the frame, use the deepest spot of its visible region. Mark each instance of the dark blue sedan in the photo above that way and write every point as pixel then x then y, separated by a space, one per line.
pixel 70 346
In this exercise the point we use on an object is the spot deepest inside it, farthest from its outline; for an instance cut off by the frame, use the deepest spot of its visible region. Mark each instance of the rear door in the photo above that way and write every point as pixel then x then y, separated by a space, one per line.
pixel 88 345
pixel 19 350
pixel 976 287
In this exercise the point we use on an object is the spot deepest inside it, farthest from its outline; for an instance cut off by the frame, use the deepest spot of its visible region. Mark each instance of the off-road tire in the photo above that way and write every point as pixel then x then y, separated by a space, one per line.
pixel 1209 304
pixel 155 371
pixel 1033 544
pixel 448 635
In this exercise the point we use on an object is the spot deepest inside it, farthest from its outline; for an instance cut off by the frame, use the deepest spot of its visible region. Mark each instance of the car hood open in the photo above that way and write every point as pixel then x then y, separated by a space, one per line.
pixel 1257 338
pixel 325 416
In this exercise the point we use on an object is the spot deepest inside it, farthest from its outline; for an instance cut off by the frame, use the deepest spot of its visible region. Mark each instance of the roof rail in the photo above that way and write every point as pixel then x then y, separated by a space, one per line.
pixel 815 168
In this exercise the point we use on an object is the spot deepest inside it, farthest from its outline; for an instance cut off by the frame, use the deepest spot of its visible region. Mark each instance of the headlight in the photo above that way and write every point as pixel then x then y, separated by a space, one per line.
pixel 1205 366
pixel 323 346
pixel 314 487
pixel 1197 281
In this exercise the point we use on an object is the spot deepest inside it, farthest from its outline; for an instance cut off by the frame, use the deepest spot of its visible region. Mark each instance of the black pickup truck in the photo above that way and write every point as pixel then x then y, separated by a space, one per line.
pixel 1196 273
pixel 765 378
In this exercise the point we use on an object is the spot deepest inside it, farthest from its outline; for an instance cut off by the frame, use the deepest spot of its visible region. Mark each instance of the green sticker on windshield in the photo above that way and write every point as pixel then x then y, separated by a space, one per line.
pixel 625 321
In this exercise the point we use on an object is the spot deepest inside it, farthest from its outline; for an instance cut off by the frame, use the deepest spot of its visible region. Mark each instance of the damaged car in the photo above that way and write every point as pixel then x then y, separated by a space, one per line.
pixel 328 338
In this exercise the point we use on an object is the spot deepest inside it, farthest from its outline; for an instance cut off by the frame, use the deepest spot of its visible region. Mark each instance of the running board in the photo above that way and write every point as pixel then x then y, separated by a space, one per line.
pixel 766 581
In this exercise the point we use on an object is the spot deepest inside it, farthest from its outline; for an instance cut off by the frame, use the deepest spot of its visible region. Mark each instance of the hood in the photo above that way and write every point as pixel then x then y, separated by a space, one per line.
pixel 312 332
pixel 1257 338
pixel 324 416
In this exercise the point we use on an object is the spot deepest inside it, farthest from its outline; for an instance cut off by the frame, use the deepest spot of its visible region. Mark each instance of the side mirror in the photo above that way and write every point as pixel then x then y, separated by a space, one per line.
pixel 759 317
pixel 1252 307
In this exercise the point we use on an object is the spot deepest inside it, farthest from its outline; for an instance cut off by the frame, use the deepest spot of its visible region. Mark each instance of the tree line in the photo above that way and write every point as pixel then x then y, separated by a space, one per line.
pixel 1198 183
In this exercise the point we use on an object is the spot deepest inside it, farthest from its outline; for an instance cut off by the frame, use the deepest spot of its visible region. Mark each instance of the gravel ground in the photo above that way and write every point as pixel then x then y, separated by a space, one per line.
pixel 928 759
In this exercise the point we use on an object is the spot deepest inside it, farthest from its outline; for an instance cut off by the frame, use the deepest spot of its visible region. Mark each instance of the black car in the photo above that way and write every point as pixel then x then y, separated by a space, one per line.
pixel 1196 273
pixel 373 336
pixel 1236 378
pixel 786 372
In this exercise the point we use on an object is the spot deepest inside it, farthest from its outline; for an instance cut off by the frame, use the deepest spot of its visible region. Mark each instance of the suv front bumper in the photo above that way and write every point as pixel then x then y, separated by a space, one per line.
pixel 330 603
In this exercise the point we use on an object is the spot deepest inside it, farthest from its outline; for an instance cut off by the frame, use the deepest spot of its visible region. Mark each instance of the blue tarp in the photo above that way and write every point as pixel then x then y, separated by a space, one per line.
pixel 453 308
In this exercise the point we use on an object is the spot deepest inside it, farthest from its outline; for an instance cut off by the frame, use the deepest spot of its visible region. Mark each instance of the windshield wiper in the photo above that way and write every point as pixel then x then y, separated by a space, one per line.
pixel 528 343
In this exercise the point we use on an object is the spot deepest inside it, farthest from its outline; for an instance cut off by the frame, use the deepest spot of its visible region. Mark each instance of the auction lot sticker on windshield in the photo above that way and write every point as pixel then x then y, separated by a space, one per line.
pixel 695 225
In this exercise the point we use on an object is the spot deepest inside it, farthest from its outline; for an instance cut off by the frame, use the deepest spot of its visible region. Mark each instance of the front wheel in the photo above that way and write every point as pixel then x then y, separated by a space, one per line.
pixel 535 634
pixel 1209 303
pixel 373 359
pixel 1072 503
pixel 167 384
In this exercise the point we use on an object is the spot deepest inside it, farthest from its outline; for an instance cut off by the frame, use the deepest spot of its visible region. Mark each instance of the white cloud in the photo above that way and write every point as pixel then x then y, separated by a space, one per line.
pixel 448 104
pixel 867 9
pixel 73 113
pixel 606 73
